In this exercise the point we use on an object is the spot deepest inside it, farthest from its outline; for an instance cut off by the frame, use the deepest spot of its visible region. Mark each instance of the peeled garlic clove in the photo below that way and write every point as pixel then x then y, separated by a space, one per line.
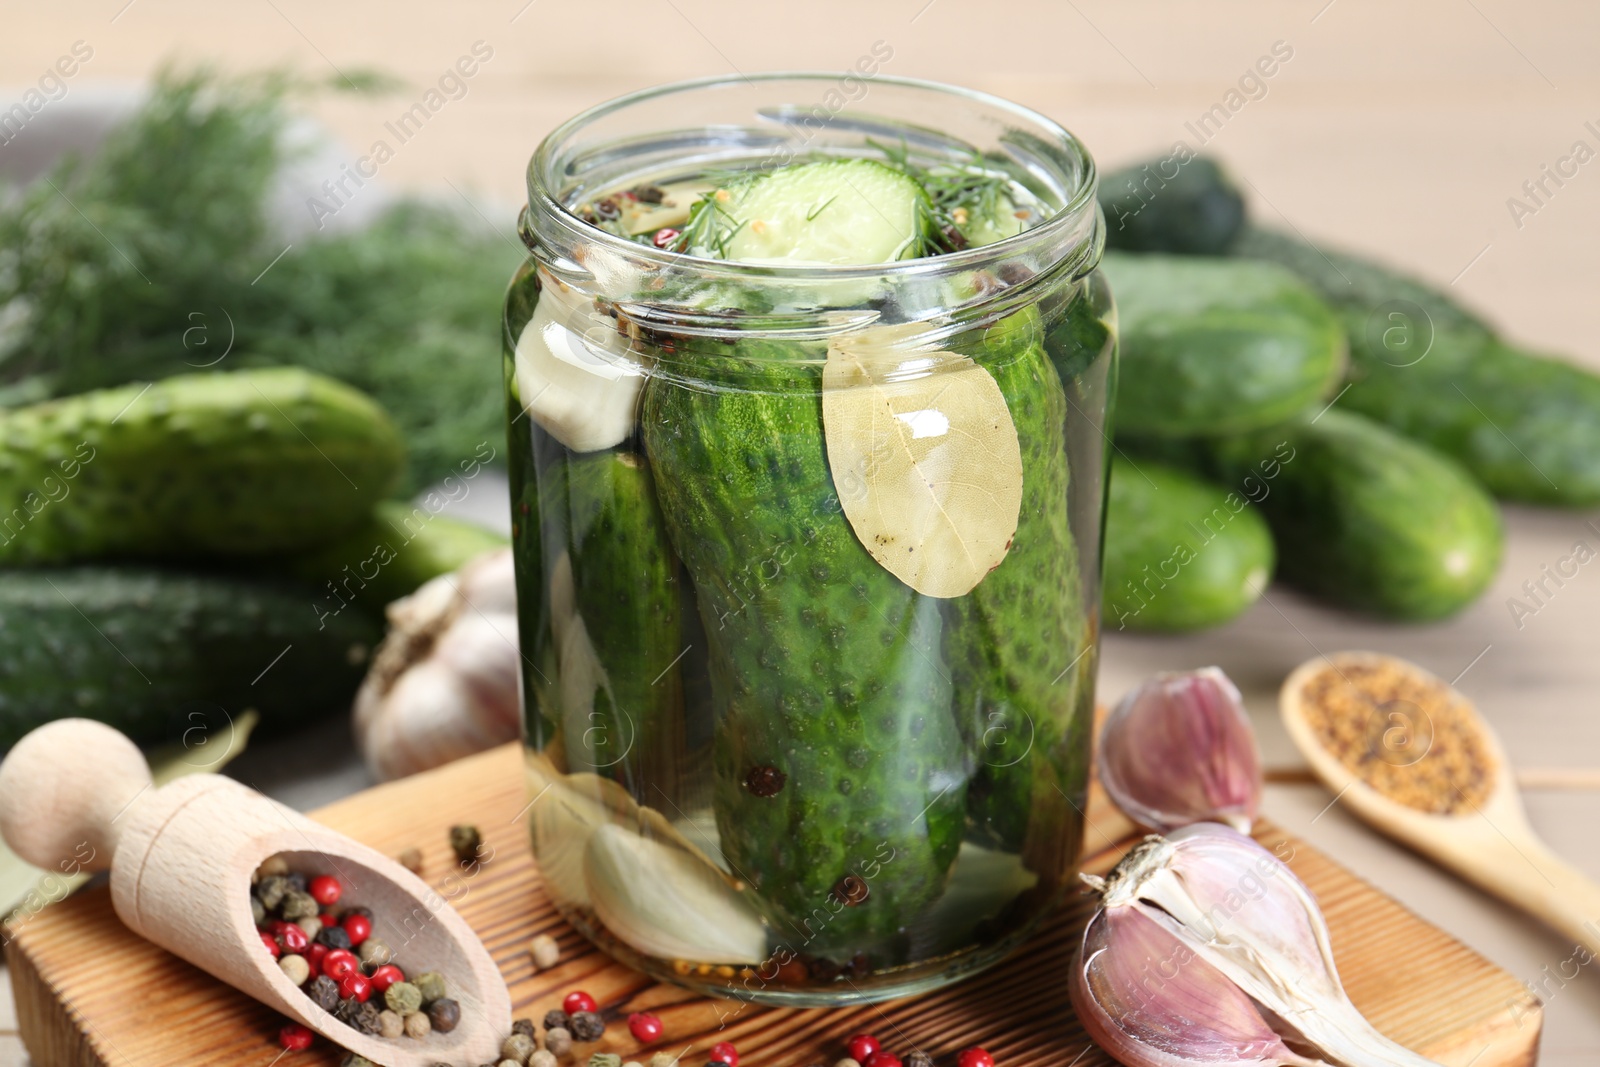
pixel 575 374
pixel 1238 908
pixel 667 902
pixel 1179 750
pixel 1148 1000
pixel 564 814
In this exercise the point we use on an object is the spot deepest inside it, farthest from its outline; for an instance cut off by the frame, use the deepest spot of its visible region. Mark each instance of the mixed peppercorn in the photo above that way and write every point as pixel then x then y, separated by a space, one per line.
pixel 330 954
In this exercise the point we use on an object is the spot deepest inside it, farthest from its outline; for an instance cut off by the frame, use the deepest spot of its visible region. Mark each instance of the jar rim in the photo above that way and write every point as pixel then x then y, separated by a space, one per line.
pixel 544 202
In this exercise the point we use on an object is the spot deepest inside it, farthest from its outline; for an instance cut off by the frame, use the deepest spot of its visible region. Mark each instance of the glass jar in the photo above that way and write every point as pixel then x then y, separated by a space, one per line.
pixel 769 756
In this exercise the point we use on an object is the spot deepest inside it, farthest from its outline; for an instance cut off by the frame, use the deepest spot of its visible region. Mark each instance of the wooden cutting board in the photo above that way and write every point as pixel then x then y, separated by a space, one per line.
pixel 90 994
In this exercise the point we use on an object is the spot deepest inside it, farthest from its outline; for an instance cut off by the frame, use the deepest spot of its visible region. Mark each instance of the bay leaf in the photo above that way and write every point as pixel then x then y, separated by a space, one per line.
pixel 925 458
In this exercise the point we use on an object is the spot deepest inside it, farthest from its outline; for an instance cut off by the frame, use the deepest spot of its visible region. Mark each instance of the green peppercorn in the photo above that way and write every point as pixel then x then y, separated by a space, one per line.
pixel 258 911
pixel 403 997
pixel 324 992
pixel 465 842
pixel 297 905
pixel 605 1059
pixel 390 1024
pixel 352 1060
pixel 431 985
pixel 443 1013
pixel 587 1026
pixel 271 890
pixel 517 1047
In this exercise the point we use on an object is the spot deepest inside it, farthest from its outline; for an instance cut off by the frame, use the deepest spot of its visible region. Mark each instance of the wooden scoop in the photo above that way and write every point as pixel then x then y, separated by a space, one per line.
pixel 181 858
pixel 1489 843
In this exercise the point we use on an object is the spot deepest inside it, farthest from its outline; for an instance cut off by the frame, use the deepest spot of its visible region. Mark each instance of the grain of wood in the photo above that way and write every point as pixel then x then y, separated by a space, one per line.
pixel 74 964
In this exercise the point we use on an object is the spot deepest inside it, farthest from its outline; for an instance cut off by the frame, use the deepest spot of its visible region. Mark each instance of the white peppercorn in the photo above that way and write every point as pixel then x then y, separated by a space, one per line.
pixel 375 952
pixel 546 952
pixel 663 1059
pixel 411 860
pixel 311 924
pixel 418 1024
pixel 846 1062
pixel 542 1058
pixel 295 968
pixel 558 1041
pixel 517 1047
pixel 390 1024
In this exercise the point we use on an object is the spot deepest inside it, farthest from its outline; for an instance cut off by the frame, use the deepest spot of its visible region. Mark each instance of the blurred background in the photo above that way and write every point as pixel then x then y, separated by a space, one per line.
pixel 1400 131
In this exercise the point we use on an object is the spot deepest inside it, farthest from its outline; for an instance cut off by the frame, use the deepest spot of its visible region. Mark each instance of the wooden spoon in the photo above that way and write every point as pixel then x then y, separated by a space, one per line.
pixel 1490 844
pixel 181 858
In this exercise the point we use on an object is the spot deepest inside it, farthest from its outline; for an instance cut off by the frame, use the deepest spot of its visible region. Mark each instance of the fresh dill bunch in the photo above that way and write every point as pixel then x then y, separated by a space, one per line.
pixel 115 268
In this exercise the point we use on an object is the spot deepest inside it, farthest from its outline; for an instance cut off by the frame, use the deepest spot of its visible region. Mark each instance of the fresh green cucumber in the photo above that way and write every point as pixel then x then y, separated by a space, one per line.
pixel 1012 640
pixel 1525 425
pixel 1187 206
pixel 837 768
pixel 845 212
pixel 628 599
pixel 392 554
pixel 1364 517
pixel 158 654
pixel 1212 345
pixel 231 464
pixel 1181 553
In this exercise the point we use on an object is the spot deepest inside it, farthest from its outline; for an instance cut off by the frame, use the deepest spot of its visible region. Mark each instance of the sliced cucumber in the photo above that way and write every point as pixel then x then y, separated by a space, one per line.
pixel 844 212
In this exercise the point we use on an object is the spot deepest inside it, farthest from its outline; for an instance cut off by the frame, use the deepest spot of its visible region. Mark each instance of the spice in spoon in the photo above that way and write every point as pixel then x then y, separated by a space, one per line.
pixel 1403 732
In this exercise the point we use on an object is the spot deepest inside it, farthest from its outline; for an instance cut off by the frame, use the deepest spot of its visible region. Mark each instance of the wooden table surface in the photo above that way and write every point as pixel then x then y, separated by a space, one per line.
pixel 1394 128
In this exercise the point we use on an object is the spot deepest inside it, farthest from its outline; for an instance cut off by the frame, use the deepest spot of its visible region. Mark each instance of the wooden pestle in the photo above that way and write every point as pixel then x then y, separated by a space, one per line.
pixel 181 858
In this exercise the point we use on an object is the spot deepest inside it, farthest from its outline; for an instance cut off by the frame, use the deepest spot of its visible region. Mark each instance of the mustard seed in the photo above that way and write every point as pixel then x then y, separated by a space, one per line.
pixel 418 1025
pixel 390 1024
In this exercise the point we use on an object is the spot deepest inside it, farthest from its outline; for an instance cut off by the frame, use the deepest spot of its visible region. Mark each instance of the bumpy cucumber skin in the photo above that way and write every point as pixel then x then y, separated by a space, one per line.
pixel 243 463
pixel 629 591
pixel 1181 553
pixel 824 667
pixel 1163 206
pixel 1525 425
pixel 1367 519
pixel 1213 345
pixel 1010 641
pixel 156 653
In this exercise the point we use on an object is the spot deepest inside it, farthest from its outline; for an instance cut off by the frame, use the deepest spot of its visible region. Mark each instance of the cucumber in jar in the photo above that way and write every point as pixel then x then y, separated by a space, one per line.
pixel 838 770
pixel 1013 641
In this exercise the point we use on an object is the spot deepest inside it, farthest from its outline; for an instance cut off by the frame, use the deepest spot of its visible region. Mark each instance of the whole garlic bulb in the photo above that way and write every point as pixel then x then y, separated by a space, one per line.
pixel 445 682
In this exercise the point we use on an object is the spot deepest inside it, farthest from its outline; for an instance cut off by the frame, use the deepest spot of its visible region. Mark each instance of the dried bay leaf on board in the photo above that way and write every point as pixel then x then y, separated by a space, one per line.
pixel 925 459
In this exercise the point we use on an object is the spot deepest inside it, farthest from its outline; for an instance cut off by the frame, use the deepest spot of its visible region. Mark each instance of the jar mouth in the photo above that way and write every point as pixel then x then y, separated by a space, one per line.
pixel 1058 159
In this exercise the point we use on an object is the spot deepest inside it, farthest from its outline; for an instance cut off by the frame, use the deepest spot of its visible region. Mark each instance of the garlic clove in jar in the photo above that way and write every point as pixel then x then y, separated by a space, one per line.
pixel 1179 749
pixel 667 902
pixel 576 376
pixel 1240 910
pixel 1148 1000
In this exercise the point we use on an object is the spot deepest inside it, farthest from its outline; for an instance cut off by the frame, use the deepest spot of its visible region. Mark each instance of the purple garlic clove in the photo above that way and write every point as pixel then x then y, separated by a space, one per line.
pixel 1150 1001
pixel 1180 750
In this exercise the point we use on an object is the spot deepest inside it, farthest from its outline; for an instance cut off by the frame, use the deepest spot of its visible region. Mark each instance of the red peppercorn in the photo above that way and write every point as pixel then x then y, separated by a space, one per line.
pixel 862 1046
pixel 645 1027
pixel 356 985
pixel 294 1037
pixel 315 954
pixel 881 1059
pixel 271 943
pixel 340 964
pixel 325 890
pixel 359 927
pixel 386 976
pixel 578 1001
pixel 724 1052
pixel 664 237
pixel 974 1057
pixel 290 937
